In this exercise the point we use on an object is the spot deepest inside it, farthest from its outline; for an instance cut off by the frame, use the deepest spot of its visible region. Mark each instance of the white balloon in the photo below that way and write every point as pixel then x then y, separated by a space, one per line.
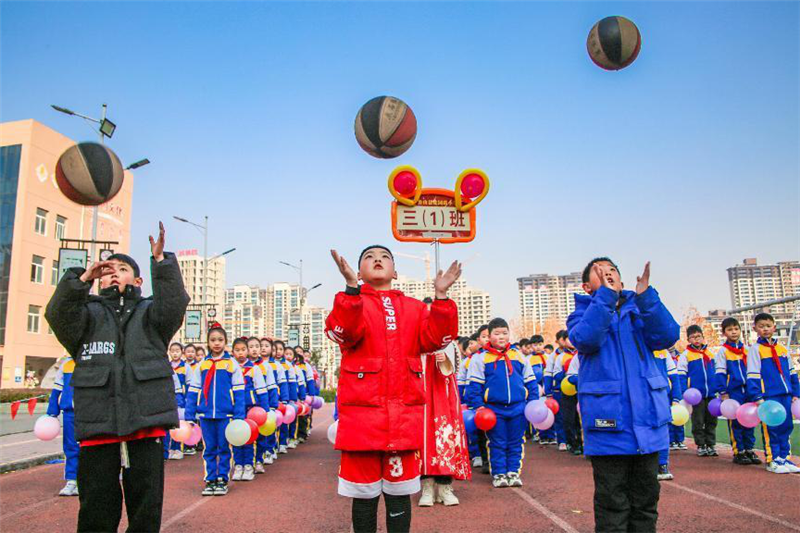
pixel 332 429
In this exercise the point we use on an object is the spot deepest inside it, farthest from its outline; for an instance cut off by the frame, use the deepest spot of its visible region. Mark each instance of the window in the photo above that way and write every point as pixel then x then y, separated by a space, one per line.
pixel 33 318
pixel 40 225
pixel 61 227
pixel 54 274
pixel 37 269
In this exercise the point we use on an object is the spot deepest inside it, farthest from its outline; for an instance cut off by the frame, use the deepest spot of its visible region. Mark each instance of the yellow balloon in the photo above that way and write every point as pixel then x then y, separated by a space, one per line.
pixel 568 388
pixel 679 414
pixel 267 428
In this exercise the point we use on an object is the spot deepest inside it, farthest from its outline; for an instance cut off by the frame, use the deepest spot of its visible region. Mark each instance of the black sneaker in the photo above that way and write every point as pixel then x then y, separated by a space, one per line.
pixel 209 488
pixel 664 473
pixel 577 451
pixel 741 459
pixel 754 460
pixel 702 451
pixel 221 488
pixel 711 451
pixel 485 467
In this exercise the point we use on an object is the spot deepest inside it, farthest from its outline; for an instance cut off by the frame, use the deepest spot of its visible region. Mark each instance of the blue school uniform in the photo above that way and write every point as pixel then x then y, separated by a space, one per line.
pixel 61 403
pixel 283 394
pixel 731 372
pixel 669 370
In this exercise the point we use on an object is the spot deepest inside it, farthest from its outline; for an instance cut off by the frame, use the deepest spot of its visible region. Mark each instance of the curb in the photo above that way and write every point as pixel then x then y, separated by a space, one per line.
pixel 29 463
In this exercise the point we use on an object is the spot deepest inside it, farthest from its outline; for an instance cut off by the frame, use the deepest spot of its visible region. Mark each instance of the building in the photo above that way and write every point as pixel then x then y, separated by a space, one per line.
pixel 474 305
pixel 245 312
pixel 546 298
pixel 34 217
pixel 191 264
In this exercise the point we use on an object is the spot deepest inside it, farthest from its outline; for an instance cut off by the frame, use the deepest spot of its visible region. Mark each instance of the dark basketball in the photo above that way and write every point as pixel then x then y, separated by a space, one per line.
pixel 614 43
pixel 385 127
pixel 89 173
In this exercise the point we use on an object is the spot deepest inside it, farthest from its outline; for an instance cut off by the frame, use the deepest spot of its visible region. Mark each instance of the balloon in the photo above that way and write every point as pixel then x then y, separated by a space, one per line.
pixel 472 185
pixel 729 408
pixel 568 388
pixel 319 401
pixel 687 406
pixel 282 407
pixel 469 421
pixel 796 409
pixel 238 432
pixel 278 418
pixel 290 414
pixel 332 429
pixel 195 437
pixel 309 400
pixel 268 427
pixel 747 415
pixel 536 411
pixel 680 415
pixel 405 183
pixel 182 432
pixel 253 431
pixel 181 413
pixel 772 413
pixel 547 423
pixel 552 404
pixel 47 427
pixel 692 396
pixel 485 419
pixel 714 407
pixel 257 415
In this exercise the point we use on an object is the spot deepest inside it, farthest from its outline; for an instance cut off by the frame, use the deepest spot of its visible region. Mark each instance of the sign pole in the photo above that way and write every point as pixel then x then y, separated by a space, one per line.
pixel 436 253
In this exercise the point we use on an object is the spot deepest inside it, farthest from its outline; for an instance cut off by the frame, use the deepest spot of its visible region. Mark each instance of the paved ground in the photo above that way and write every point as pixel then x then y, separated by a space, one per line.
pixel 298 494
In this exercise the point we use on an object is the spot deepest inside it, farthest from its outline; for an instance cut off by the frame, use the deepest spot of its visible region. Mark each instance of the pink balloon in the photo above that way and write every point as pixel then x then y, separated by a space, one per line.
pixel 548 422
pixel 278 418
pixel 796 409
pixel 747 415
pixel 47 428
pixel 729 408
pixel 290 415
pixel 182 432
pixel 195 437
pixel 309 400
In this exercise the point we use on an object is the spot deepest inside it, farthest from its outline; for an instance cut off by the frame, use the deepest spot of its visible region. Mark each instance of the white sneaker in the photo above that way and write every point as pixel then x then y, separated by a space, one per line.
pixel 776 467
pixel 267 461
pixel 499 481
pixel 514 480
pixel 176 455
pixel 248 474
pixel 445 495
pixel 274 456
pixel 70 489
pixel 562 447
pixel 790 466
pixel 237 473
pixel 477 462
pixel 259 468
pixel 283 449
pixel 292 444
pixel 426 500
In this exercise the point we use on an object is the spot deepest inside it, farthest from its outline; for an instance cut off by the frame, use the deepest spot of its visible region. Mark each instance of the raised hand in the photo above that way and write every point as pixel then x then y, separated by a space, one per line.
pixel 157 246
pixel 606 279
pixel 445 280
pixel 97 270
pixel 643 281
pixel 350 277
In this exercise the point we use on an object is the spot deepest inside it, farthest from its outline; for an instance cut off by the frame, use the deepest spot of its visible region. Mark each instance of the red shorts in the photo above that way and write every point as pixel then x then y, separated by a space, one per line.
pixel 367 474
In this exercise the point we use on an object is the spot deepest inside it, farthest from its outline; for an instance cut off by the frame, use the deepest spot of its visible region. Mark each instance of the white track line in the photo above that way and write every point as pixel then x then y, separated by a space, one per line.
pixel 195 505
pixel 789 525
pixel 533 502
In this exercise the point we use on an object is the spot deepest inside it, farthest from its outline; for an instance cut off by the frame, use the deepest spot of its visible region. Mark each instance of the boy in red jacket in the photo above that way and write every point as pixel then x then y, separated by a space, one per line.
pixel 381 333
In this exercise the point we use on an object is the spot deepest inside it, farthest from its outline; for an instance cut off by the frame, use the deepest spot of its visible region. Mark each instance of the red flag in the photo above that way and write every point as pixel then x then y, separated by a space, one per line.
pixel 14 409
pixel 32 405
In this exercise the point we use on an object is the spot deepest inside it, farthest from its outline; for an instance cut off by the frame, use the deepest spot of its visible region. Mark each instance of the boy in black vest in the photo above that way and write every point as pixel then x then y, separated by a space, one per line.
pixel 124 393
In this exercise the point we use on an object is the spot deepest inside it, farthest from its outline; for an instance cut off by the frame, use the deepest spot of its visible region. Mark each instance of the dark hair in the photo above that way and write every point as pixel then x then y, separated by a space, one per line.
pixel 523 342
pixel 299 348
pixel 179 345
pixel 562 334
pixel 275 344
pixel 546 346
pixel 464 343
pixel 427 300
pixel 253 339
pixel 694 328
pixel 190 345
pixel 763 316
pixel 240 340
pixel 298 357
pixel 217 327
pixel 288 348
pixel 497 323
pixel 588 268
pixel 199 347
pixel 128 260
pixel 730 322
pixel 480 329
pixel 474 337
pixel 368 248
pixel 537 339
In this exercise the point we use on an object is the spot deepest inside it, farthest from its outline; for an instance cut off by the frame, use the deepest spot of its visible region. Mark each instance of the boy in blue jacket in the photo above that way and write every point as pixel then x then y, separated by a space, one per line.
pixel 771 376
pixel 697 370
pixel 61 403
pixel 501 379
pixel 623 396
pixel 216 394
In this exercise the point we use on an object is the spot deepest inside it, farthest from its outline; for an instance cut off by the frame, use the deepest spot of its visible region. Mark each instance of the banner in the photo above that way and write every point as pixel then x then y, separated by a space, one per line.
pixel 194 319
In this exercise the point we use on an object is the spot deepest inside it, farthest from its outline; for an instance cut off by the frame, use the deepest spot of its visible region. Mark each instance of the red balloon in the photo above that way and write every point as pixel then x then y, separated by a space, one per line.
pixel 253 431
pixel 552 405
pixel 282 408
pixel 405 183
pixel 472 185
pixel 257 415
pixel 485 419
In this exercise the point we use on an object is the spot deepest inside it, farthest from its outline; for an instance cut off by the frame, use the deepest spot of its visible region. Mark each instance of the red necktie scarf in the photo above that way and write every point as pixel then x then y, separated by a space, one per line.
pixel 209 378
pixel 775 358
pixel 702 351
pixel 738 351
pixel 503 354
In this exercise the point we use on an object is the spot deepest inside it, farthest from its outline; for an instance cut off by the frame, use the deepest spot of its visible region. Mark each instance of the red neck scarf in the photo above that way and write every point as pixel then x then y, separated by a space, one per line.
pixel 501 353
pixel 738 350
pixel 702 351
pixel 209 377
pixel 775 358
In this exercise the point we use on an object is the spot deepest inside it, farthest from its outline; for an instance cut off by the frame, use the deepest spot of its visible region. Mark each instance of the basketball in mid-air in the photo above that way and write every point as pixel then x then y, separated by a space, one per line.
pixel 385 127
pixel 89 173
pixel 614 43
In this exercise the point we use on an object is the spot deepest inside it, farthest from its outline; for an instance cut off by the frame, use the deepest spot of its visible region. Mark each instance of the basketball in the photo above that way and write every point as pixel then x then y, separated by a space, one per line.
pixel 89 173
pixel 614 43
pixel 385 127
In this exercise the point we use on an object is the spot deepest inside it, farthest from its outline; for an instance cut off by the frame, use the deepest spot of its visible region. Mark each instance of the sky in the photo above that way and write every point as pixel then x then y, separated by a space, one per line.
pixel 688 158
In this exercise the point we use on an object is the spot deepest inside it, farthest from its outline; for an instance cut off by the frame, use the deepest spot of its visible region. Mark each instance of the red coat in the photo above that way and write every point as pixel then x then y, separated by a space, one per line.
pixel 381 393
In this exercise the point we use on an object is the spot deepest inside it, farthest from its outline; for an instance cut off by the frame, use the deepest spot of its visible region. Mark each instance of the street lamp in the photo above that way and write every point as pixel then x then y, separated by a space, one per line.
pixel 138 164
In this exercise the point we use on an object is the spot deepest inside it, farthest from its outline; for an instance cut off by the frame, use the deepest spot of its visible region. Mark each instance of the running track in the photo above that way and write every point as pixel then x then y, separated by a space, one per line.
pixel 298 494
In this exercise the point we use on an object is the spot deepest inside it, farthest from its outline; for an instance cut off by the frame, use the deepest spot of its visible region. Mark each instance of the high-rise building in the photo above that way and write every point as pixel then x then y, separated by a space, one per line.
pixel 34 218
pixel 547 297
pixel 245 312
pixel 191 264
pixel 474 305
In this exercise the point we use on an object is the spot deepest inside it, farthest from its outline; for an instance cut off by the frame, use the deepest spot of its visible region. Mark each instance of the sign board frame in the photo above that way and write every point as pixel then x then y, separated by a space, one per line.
pixel 433 236
pixel 194 323
pixel 71 257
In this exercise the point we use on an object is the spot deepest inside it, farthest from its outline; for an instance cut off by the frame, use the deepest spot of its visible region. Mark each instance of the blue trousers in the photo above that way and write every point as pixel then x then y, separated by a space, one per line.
pixel 293 429
pixel 262 446
pixel 676 433
pixel 217 453
pixel 472 444
pixel 71 447
pixel 272 442
pixel 742 438
pixel 558 423
pixel 506 440
pixel 283 438
pixel 244 455
pixel 776 439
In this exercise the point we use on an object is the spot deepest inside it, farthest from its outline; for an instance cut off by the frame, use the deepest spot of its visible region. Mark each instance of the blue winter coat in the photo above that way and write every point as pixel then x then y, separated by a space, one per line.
pixel 623 395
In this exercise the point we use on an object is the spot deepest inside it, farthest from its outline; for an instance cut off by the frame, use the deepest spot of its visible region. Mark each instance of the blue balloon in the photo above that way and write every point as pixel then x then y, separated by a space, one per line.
pixel 772 413
pixel 469 421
